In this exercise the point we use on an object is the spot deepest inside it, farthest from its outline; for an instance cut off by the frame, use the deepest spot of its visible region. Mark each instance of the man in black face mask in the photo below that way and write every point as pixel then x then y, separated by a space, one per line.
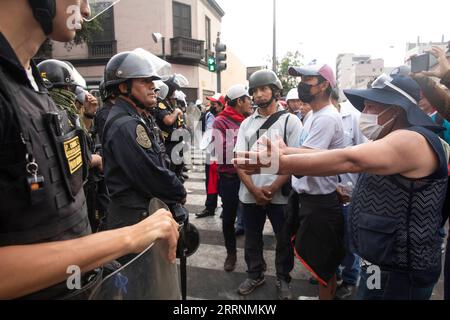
pixel 321 212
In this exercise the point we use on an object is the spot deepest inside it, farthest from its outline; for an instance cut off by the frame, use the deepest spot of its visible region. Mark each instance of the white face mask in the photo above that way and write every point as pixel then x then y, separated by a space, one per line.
pixel 368 124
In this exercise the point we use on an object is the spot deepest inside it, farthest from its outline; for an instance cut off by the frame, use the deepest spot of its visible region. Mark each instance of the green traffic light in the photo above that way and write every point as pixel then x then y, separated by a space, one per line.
pixel 211 64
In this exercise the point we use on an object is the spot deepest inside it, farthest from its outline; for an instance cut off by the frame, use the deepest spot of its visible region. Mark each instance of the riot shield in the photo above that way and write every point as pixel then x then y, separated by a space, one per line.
pixel 149 276
pixel 193 115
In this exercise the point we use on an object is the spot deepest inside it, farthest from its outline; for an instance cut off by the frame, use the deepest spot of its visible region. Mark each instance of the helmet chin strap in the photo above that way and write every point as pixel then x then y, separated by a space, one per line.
pixel 130 96
pixel 268 103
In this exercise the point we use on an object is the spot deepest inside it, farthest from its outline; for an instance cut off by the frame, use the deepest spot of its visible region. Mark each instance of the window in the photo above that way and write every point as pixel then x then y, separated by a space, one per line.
pixel 208 33
pixel 107 25
pixel 181 20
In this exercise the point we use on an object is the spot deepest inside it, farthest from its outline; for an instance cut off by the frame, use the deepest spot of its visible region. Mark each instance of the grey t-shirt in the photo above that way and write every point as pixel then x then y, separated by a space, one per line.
pixel 323 130
pixel 248 129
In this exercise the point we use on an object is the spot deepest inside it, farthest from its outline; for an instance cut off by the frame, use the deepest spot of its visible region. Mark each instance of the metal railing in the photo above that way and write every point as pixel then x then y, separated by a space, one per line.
pixel 187 48
pixel 102 49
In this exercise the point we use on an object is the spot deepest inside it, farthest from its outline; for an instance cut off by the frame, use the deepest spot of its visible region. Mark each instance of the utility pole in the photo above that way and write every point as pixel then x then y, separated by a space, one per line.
pixel 274 54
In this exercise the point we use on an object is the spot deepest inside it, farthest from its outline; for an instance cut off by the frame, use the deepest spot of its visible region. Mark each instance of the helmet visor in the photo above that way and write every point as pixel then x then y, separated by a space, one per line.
pixel 98 7
pixel 143 64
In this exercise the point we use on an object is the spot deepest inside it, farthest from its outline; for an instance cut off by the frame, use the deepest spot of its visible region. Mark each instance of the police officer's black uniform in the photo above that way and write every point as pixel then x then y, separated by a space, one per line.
pixel 163 109
pixel 134 167
pixel 100 118
pixel 47 204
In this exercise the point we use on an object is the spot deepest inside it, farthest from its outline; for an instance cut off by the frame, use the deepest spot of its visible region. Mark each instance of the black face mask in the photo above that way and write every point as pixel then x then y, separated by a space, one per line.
pixel 213 111
pixel 304 92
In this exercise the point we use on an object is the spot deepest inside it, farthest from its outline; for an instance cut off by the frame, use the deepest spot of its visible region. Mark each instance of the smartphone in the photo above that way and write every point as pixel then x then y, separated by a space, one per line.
pixel 422 62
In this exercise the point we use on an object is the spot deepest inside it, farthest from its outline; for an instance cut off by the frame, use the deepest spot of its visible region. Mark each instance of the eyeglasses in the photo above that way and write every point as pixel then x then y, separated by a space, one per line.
pixel 386 81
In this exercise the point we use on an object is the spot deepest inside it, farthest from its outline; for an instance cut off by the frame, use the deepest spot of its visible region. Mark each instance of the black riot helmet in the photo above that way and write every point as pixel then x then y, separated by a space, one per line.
pixel 175 82
pixel 104 93
pixel 44 11
pixel 129 65
pixel 173 86
pixel 56 74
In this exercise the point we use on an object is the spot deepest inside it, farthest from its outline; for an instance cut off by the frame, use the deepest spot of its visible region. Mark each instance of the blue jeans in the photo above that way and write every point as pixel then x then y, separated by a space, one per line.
pixel 350 265
pixel 254 220
pixel 396 285
pixel 240 219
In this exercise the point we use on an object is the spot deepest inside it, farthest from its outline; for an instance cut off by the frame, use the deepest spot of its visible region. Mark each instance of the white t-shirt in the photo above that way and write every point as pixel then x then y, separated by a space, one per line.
pixel 32 80
pixel 323 130
pixel 247 130
pixel 352 135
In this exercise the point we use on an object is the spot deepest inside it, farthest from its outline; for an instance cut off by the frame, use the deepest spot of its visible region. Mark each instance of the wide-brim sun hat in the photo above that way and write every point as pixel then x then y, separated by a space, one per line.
pixel 406 97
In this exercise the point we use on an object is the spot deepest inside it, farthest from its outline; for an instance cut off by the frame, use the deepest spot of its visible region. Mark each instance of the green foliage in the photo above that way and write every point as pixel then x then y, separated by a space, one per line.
pixel 85 34
pixel 289 60
pixel 82 36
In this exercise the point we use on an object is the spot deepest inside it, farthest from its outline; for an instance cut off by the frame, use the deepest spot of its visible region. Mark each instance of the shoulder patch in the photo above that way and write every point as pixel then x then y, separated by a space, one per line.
pixel 162 106
pixel 142 137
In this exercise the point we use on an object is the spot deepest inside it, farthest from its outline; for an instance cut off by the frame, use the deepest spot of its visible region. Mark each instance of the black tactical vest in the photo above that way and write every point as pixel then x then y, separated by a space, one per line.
pixel 56 211
pixel 394 221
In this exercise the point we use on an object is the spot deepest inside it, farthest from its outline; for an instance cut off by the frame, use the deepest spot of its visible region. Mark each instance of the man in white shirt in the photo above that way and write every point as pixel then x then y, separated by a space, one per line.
pixel 319 238
pixel 262 194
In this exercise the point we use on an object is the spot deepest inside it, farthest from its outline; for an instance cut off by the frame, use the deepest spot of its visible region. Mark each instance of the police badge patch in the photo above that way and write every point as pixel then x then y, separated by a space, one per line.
pixel 142 137
pixel 162 106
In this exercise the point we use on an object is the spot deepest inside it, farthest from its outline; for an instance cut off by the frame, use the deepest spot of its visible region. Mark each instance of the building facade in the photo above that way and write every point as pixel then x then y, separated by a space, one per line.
pixel 183 32
pixel 357 71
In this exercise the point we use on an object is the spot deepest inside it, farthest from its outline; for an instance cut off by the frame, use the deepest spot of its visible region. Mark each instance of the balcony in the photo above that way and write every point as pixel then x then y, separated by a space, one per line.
pixel 187 49
pixel 102 49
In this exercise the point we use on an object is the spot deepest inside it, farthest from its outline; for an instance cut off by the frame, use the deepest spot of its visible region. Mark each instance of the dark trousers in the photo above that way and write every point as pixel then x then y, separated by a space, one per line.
pixel 211 199
pixel 447 271
pixel 229 192
pixel 254 220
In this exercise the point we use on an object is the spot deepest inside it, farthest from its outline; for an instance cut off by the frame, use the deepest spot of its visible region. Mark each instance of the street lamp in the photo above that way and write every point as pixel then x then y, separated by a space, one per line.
pixel 156 38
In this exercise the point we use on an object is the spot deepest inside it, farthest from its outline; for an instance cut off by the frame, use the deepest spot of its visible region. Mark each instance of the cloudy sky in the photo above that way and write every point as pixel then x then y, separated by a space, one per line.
pixel 323 29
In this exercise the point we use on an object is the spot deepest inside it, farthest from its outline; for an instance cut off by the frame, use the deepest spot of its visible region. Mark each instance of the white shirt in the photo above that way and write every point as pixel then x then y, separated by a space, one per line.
pixel 32 80
pixel 248 129
pixel 323 130
pixel 352 135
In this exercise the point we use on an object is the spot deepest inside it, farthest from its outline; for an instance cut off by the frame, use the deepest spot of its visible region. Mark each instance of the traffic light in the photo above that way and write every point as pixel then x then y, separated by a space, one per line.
pixel 221 57
pixel 211 64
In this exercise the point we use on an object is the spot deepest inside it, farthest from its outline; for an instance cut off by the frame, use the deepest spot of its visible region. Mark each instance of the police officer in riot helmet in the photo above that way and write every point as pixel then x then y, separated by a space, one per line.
pixel 108 100
pixel 135 171
pixel 169 118
pixel 43 222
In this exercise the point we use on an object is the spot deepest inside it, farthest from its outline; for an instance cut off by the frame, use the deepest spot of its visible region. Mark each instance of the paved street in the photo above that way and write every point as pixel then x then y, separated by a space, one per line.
pixel 206 277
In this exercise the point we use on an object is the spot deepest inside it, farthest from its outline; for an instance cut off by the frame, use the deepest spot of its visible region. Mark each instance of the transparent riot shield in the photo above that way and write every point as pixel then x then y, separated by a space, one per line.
pixel 149 276
pixel 193 115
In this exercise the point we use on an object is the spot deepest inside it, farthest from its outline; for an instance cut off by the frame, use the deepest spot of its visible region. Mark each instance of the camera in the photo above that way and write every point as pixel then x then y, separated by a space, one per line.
pixel 422 62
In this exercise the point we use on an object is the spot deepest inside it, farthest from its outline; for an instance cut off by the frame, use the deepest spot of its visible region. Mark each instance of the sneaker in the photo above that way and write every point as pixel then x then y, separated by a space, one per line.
pixel 205 213
pixel 249 285
pixel 344 291
pixel 284 290
pixel 230 262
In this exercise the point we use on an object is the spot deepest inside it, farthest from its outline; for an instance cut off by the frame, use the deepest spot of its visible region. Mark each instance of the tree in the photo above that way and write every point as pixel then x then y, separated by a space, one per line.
pixel 82 36
pixel 289 60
